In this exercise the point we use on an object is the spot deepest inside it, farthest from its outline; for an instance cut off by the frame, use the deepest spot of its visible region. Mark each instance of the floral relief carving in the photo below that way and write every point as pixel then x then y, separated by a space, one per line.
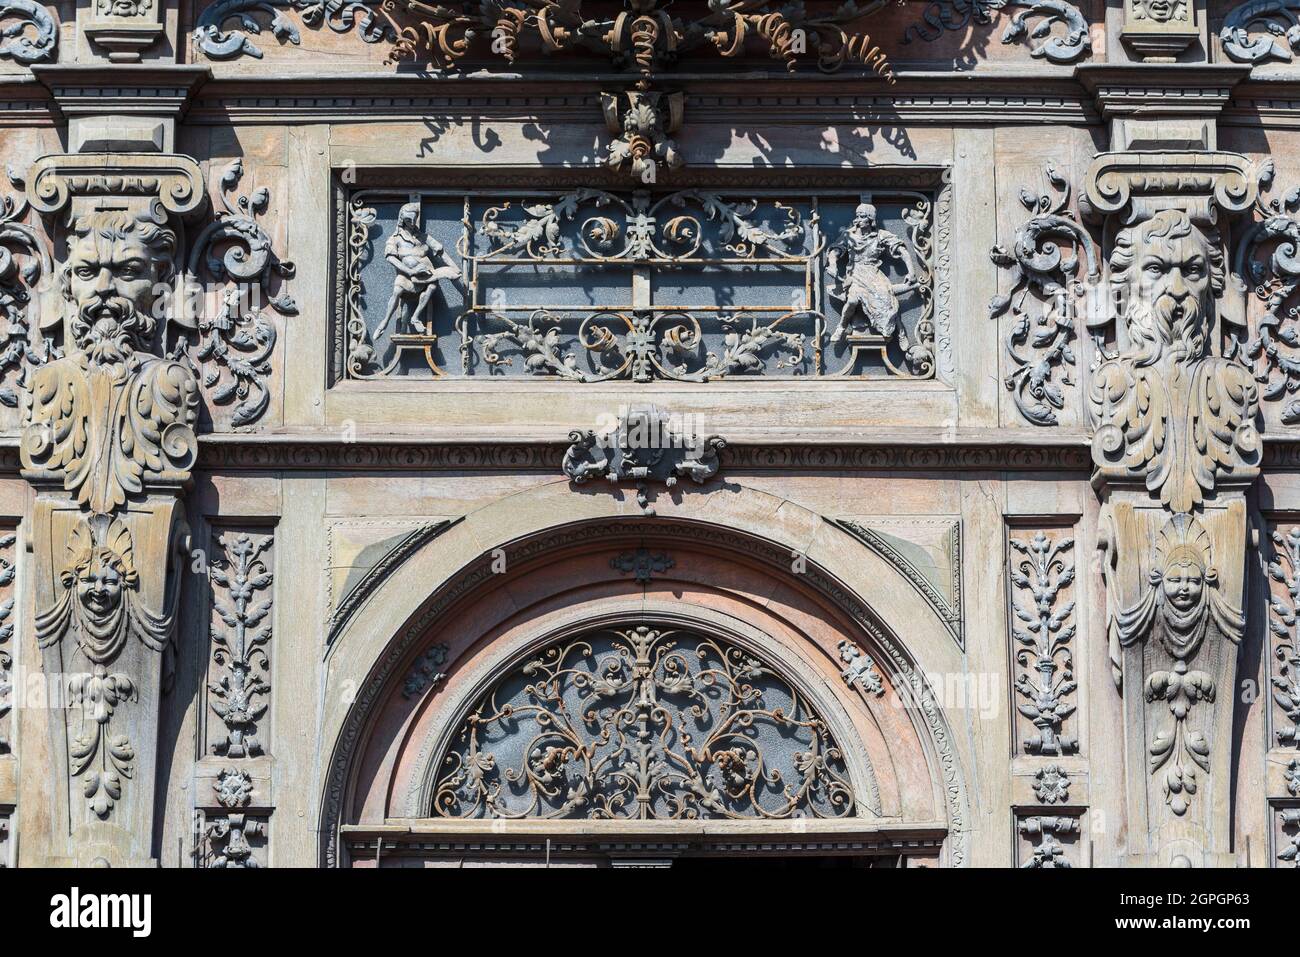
pixel 1284 603
pixel 642 564
pixel 860 672
pixel 8 572
pixel 1052 784
pixel 239 681
pixel 230 836
pixel 220 43
pixel 24 264
pixel 1042 631
pixel 237 340
pixel 1049 250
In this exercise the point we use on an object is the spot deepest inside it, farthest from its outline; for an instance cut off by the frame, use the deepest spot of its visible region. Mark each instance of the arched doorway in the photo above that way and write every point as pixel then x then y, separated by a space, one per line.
pixel 653 692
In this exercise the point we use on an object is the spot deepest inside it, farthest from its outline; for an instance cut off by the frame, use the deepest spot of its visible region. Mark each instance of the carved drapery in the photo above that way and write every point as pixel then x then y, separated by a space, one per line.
pixel 643 723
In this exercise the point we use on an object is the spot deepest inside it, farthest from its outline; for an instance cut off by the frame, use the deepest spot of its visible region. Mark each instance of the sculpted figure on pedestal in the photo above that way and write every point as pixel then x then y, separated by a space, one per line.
pixel 870 299
pixel 1165 408
pixel 109 411
pixel 421 264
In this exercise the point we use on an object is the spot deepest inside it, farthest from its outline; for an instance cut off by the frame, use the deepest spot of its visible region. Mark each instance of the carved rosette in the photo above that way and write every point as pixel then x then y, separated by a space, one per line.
pixel 1174 412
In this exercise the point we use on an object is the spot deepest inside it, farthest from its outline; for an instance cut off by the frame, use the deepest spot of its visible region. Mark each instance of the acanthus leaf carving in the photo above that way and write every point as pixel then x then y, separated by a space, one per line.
pixel 234 249
pixel 1038 262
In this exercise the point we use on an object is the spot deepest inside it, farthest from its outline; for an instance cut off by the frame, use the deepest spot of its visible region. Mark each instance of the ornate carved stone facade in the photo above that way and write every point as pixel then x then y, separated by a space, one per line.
pixel 640 430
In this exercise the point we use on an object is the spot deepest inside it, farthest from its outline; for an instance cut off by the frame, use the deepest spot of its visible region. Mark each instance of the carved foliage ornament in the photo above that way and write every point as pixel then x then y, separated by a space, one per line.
pixel 1043 629
pixel 241 632
pixel 1267 261
pixel 1046 257
pixel 1066 46
pixel 643 723
pixel 1284 569
pixel 220 43
pixel 643 449
pixel 8 538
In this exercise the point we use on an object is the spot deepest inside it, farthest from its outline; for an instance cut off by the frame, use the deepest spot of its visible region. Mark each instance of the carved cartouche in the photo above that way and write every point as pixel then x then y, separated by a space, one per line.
pixel 1167 411
pixel 109 415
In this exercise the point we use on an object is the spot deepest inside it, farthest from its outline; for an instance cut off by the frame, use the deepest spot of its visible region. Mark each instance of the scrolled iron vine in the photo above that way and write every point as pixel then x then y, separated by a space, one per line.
pixel 1068 46
pixel 1038 262
pixel 238 339
pixel 339 15
pixel 33 34
pixel 642 723
pixel 1268 257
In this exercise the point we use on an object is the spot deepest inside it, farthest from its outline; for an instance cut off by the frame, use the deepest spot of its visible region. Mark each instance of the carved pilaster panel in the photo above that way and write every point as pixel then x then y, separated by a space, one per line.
pixel 1043 626
pixel 8 621
pixel 1174 411
pixel 1284 657
pixel 239 667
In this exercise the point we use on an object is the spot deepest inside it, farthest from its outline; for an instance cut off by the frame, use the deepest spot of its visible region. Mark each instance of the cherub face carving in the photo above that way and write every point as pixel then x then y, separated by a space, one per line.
pixel 1184 583
pixel 1172 271
pixel 99 587
pixel 118 268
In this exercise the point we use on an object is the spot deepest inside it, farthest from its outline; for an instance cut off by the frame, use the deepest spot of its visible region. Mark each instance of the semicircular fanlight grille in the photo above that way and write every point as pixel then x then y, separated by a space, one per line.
pixel 642 723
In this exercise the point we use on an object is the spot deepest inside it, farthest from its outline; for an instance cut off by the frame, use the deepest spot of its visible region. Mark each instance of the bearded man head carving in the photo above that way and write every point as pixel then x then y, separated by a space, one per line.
pixel 115 280
pixel 1171 272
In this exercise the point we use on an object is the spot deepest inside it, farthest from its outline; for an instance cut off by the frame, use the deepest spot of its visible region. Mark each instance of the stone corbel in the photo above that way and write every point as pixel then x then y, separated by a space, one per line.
pixel 123 29
pixel 1173 411
pixel 1159 30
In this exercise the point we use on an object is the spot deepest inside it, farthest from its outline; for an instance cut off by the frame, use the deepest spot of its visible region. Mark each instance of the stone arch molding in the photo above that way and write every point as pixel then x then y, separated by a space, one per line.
pixel 384 671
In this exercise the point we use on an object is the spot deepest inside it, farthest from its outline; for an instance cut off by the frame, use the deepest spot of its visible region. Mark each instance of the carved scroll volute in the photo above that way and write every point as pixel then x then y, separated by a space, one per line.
pixel 108 443
pixel 1174 413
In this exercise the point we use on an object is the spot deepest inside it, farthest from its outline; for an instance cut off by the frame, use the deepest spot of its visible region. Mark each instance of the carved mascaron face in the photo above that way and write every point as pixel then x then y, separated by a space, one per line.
pixel 1183 584
pixel 1162 11
pixel 116 274
pixel 1172 272
pixel 99 589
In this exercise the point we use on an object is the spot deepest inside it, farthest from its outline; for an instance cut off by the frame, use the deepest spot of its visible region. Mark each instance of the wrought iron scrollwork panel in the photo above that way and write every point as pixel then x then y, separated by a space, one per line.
pixel 643 723
pixel 592 285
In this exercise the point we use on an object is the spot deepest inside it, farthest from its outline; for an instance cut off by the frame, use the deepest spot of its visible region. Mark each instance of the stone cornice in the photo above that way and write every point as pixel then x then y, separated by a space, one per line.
pixel 1160 89
pixel 88 89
